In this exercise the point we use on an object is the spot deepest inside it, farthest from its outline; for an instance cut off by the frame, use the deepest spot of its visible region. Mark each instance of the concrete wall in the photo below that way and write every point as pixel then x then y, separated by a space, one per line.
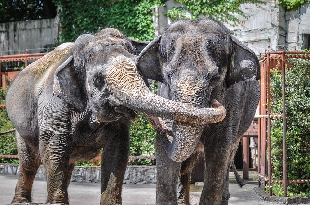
pixel 298 27
pixel 34 35
pixel 268 27
pixel 264 29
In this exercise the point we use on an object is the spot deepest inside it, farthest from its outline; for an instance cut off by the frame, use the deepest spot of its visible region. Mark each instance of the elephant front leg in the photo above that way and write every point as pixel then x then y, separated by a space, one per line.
pixel 113 167
pixel 29 162
pixel 168 173
pixel 215 190
pixel 56 156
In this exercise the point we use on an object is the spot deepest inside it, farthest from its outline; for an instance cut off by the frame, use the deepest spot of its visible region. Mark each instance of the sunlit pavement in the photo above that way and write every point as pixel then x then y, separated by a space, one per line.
pixel 133 194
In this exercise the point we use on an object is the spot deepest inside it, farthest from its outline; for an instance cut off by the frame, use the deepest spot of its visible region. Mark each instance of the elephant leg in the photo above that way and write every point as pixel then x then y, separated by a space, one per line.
pixel 167 176
pixel 226 194
pixel 58 169
pixel 217 164
pixel 186 170
pixel 113 167
pixel 29 163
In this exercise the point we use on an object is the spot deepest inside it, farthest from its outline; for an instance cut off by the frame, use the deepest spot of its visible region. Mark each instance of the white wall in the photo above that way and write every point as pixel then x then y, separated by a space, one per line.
pixel 268 27
pixel 16 37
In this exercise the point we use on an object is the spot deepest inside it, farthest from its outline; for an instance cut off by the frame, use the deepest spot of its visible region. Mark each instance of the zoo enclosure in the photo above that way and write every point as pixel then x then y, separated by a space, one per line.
pixel 278 60
pixel 26 58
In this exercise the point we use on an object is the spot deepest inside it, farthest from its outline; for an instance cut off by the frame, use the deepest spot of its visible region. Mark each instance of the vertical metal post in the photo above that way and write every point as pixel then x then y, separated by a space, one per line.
pixel 245 149
pixel 269 128
pixel 284 126
pixel 262 122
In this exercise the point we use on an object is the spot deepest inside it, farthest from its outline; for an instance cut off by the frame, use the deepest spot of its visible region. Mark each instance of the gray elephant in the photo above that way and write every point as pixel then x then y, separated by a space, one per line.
pixel 81 98
pixel 197 61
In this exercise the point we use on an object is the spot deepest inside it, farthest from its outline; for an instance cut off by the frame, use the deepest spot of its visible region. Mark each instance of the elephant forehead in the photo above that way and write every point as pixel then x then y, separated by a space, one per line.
pixel 122 75
pixel 192 26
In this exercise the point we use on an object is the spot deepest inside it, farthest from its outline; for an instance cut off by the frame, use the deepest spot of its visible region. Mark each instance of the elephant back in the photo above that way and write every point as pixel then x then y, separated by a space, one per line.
pixel 52 59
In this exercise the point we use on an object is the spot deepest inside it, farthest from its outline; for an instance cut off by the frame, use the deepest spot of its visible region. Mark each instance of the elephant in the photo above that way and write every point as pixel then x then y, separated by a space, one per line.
pixel 197 62
pixel 79 99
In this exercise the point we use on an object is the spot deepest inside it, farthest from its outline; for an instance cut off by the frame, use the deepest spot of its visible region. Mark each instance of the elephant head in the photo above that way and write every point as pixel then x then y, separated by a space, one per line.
pixel 103 67
pixel 196 62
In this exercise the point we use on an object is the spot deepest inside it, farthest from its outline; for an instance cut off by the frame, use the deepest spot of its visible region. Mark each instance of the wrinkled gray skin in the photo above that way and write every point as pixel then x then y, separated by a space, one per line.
pixel 197 62
pixel 75 101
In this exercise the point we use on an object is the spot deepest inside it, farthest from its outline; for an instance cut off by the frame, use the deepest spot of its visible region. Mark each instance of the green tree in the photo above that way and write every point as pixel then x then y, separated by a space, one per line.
pixel 292 4
pixel 8 144
pixel 132 17
pixel 22 10
pixel 221 10
pixel 298 126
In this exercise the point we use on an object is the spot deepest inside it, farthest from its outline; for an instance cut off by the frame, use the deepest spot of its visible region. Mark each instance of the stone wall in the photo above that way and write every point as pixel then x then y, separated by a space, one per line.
pixel 34 36
pixel 133 174
pixel 267 27
pixel 298 28
pixel 264 29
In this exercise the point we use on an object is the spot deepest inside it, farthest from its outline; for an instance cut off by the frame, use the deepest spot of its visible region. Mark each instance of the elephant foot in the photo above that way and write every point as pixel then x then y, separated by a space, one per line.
pixel 19 200
pixel 58 197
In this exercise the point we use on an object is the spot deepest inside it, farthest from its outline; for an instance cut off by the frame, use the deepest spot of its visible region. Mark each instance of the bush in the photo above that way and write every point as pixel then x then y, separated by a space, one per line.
pixel 298 126
pixel 8 142
pixel 142 140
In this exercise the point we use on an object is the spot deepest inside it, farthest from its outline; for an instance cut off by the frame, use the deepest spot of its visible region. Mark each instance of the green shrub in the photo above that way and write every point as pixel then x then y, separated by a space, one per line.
pixel 142 140
pixel 133 18
pixel 298 126
pixel 8 144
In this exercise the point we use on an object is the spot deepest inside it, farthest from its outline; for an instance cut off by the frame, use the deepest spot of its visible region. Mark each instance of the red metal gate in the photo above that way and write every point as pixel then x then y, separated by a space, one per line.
pixel 277 59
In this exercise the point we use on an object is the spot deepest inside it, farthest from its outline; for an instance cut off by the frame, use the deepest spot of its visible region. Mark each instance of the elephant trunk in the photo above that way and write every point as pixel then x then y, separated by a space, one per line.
pixel 181 141
pixel 128 89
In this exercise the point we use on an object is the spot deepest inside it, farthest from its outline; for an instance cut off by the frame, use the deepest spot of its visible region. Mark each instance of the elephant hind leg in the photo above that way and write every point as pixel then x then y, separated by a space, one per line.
pixel 28 166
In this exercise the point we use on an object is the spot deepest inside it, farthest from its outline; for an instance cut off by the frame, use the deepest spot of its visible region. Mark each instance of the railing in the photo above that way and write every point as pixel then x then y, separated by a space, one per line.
pixel 276 59
pixel 16 58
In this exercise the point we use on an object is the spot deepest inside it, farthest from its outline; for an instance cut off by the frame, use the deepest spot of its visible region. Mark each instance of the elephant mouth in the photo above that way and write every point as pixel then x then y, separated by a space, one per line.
pixel 109 113
pixel 180 139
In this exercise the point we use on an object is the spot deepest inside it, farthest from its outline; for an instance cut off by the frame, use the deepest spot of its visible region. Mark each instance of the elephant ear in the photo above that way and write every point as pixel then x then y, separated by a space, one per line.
pixel 139 46
pixel 68 86
pixel 148 61
pixel 244 64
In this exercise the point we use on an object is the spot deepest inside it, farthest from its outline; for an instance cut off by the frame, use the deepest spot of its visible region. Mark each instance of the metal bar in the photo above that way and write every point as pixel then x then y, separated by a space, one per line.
pixel 284 127
pixel 269 116
pixel 3 79
pixel 246 161
pixel 3 156
pixel 269 128
pixel 7 132
pixel 288 52
pixel 21 57
pixel 262 122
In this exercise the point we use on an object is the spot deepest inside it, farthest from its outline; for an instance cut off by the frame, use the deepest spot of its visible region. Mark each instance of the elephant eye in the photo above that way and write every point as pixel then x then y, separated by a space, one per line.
pixel 99 81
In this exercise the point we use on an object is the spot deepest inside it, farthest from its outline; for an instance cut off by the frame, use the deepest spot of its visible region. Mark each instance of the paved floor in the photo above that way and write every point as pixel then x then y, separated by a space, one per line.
pixel 133 194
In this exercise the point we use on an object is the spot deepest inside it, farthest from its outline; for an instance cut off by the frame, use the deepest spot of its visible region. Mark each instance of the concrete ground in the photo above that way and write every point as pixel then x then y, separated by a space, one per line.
pixel 133 194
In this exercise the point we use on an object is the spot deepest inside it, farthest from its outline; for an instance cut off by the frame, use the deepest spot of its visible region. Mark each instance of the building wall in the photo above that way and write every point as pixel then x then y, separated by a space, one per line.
pixel 34 36
pixel 298 28
pixel 268 27
pixel 264 29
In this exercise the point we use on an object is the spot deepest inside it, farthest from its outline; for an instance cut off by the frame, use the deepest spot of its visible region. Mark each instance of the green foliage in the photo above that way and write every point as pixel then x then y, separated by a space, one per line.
pixel 292 4
pixel 298 126
pixel 132 17
pixel 221 10
pixel 142 140
pixel 8 144
pixel 21 10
